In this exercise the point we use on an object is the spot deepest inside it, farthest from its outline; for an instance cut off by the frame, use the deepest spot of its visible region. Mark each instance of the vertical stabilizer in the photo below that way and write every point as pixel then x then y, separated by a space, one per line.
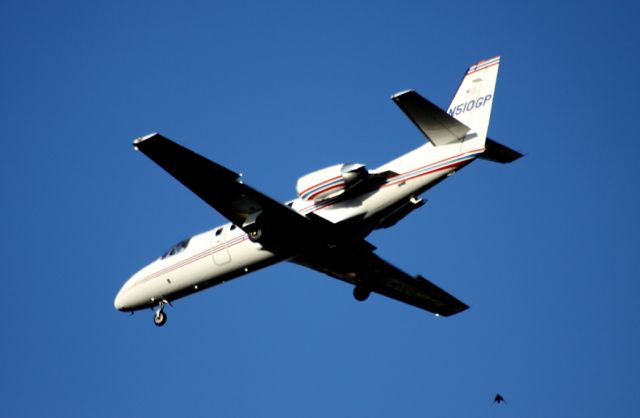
pixel 472 103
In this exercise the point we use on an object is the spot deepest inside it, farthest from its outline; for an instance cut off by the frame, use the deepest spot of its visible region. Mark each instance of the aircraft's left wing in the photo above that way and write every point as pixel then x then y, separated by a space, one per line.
pixel 221 188
pixel 360 266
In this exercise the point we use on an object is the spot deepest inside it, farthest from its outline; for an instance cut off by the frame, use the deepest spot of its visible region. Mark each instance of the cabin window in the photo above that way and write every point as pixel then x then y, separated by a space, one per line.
pixel 178 248
pixel 219 231
pixel 232 227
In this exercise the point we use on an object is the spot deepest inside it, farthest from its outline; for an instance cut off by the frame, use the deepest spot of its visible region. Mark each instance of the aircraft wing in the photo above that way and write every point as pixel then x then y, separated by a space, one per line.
pixel 360 265
pixel 220 187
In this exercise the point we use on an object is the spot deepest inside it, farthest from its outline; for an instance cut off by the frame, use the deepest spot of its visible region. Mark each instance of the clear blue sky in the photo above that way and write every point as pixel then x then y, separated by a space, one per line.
pixel 545 250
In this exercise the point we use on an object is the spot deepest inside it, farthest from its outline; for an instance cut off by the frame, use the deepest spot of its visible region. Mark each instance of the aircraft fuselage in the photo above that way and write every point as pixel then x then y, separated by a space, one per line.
pixel 226 252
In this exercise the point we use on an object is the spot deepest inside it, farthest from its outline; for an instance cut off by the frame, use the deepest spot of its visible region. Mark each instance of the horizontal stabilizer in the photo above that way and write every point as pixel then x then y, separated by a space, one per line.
pixel 499 153
pixel 436 124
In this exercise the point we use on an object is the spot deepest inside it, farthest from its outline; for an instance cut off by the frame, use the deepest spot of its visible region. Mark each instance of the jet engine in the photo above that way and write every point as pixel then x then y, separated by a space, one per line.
pixel 331 181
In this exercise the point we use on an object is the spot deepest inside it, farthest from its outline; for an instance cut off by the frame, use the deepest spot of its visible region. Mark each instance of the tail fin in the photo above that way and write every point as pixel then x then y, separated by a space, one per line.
pixel 472 103
pixel 467 120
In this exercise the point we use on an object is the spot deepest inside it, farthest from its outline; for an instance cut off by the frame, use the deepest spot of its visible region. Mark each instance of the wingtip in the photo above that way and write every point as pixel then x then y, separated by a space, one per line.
pixel 143 138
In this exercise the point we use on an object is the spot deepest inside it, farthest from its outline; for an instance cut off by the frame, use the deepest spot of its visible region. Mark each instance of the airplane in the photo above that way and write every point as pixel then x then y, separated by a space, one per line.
pixel 325 227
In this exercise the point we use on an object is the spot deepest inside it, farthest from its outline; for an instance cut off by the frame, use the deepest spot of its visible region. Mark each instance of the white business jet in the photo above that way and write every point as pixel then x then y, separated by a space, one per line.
pixel 325 226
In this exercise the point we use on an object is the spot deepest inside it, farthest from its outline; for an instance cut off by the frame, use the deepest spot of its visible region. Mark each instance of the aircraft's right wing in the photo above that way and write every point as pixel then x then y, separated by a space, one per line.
pixel 360 266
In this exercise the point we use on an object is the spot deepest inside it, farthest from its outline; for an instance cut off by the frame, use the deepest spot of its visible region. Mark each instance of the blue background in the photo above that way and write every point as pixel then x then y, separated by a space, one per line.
pixel 544 250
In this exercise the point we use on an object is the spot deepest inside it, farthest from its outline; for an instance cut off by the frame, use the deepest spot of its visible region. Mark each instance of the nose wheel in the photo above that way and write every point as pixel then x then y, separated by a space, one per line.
pixel 160 317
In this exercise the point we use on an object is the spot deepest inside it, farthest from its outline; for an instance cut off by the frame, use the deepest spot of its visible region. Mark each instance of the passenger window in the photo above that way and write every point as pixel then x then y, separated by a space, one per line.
pixel 233 226
pixel 218 232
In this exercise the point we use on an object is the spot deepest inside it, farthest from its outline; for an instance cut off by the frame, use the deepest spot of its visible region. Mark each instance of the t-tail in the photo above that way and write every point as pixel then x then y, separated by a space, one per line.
pixel 472 103
pixel 466 122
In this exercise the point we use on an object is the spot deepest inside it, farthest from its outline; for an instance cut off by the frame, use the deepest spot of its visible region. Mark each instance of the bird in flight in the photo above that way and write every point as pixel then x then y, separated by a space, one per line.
pixel 499 399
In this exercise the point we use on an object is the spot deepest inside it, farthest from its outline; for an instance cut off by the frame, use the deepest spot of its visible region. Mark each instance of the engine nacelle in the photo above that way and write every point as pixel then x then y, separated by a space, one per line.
pixel 330 182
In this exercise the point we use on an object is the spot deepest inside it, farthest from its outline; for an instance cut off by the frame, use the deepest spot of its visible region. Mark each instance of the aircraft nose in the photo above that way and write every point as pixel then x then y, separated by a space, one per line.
pixel 130 297
pixel 118 302
pixel 124 299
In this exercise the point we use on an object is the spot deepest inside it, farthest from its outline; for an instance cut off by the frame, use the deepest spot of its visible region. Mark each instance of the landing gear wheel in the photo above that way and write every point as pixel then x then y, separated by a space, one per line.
pixel 160 318
pixel 361 293
pixel 255 234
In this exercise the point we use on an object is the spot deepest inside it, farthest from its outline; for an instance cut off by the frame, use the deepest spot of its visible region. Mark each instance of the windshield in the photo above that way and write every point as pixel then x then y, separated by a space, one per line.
pixel 178 248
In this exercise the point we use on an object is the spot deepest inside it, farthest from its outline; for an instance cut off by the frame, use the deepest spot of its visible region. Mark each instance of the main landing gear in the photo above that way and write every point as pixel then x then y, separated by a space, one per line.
pixel 361 292
pixel 160 317
pixel 255 234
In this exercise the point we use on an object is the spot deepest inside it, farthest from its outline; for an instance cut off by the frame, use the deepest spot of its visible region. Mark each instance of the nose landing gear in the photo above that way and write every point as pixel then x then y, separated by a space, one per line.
pixel 160 317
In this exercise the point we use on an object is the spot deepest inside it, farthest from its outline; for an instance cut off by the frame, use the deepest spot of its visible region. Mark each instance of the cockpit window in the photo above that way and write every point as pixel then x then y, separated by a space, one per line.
pixel 178 248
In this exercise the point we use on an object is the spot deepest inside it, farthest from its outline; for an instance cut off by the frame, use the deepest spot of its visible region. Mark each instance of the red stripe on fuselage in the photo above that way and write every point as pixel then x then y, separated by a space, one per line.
pixel 193 258
pixel 335 186
pixel 323 205
pixel 425 173
pixel 318 185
